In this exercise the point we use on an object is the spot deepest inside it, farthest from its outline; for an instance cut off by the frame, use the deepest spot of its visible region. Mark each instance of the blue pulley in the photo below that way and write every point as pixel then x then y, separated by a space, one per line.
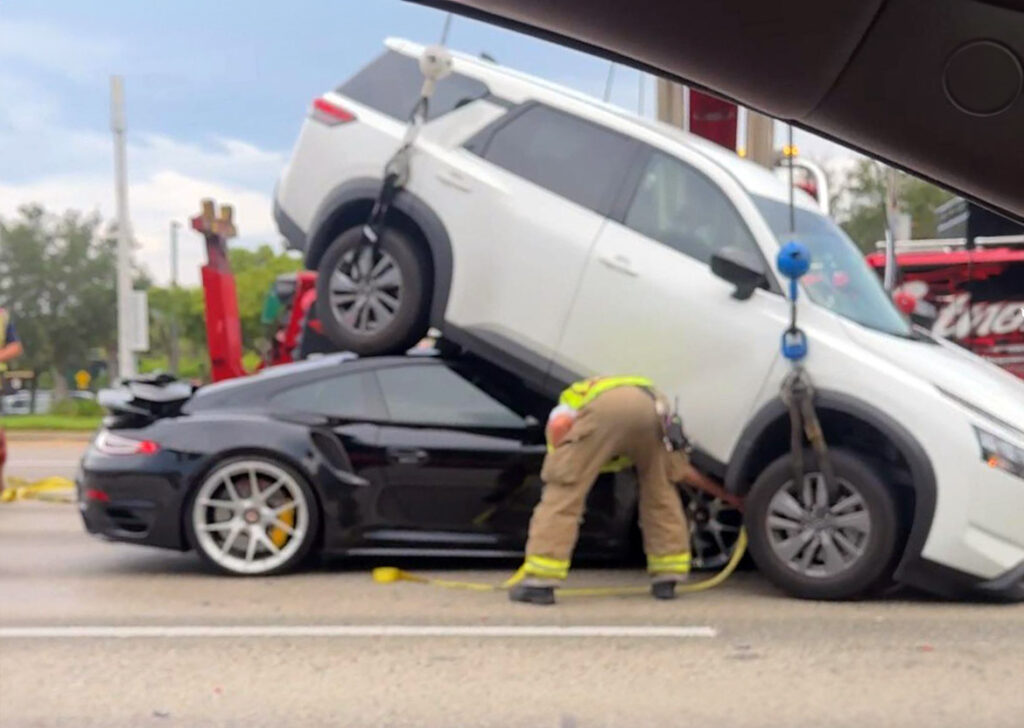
pixel 793 260
pixel 794 344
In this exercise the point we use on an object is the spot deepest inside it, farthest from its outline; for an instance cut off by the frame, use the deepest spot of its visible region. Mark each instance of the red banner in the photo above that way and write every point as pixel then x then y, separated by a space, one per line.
pixel 713 118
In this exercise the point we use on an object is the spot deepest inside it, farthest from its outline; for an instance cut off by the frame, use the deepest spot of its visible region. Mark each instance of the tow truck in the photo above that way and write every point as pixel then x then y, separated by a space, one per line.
pixel 968 288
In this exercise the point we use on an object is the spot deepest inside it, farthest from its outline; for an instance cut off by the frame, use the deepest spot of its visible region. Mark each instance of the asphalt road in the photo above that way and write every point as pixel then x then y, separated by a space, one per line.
pixel 94 633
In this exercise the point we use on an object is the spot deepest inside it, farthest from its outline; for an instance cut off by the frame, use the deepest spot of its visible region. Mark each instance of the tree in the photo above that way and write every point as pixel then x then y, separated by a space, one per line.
pixel 861 204
pixel 255 272
pixel 57 278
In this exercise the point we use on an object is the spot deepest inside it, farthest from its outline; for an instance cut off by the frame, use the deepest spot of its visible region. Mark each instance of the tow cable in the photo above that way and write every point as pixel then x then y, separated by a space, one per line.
pixel 435 64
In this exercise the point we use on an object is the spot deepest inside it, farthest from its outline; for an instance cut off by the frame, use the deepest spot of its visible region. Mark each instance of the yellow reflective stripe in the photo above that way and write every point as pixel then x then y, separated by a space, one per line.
pixel 546 567
pixel 579 394
pixel 675 563
pixel 548 562
pixel 617 464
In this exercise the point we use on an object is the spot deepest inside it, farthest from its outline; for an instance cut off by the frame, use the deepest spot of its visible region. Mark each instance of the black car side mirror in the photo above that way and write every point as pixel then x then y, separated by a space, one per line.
pixel 743 269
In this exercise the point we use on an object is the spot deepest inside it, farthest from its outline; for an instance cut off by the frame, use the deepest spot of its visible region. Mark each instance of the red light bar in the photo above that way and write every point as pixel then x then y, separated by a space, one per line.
pixel 330 114
pixel 97 495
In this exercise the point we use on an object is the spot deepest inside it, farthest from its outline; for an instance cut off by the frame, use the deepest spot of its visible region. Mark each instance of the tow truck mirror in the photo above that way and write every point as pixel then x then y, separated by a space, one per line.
pixel 741 268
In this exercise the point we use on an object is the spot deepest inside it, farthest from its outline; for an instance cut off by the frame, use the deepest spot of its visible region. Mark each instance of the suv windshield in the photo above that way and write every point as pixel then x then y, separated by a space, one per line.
pixel 839 279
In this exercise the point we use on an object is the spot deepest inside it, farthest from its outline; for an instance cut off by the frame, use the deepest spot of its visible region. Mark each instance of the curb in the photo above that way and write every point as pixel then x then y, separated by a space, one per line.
pixel 49 435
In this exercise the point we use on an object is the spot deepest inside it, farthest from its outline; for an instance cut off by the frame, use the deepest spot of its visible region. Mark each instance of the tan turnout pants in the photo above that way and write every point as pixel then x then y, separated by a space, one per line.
pixel 621 421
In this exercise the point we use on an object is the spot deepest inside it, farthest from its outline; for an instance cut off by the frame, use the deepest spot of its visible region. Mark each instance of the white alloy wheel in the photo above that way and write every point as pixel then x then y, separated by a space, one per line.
pixel 251 516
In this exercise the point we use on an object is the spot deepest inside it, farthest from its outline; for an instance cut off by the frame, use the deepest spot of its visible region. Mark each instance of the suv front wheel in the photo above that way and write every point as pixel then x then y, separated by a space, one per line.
pixel 372 299
pixel 817 544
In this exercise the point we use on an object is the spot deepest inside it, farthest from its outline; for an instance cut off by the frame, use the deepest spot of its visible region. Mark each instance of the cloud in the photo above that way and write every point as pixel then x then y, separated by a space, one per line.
pixel 154 202
pixel 64 167
pixel 55 50
pixel 167 179
pixel 51 156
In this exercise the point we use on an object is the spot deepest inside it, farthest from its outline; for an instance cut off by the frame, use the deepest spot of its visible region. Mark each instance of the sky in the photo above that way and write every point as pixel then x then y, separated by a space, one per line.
pixel 215 95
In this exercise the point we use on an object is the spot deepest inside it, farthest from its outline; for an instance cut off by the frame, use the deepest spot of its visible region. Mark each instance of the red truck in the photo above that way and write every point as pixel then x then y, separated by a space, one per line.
pixel 969 288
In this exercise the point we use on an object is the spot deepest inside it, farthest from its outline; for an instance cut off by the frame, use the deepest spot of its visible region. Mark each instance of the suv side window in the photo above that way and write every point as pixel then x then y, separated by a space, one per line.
pixel 348 396
pixel 680 207
pixel 579 160
pixel 434 394
pixel 391 85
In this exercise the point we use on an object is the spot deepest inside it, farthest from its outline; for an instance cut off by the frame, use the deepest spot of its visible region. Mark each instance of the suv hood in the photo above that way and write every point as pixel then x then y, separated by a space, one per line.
pixel 953 369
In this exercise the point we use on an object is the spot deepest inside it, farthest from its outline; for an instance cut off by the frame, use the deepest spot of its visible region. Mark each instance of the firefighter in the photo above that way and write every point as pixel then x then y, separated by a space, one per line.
pixel 600 425
pixel 10 348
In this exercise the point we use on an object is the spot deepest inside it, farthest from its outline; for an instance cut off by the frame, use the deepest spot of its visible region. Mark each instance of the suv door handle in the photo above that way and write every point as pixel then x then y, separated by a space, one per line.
pixel 619 262
pixel 407 455
pixel 455 179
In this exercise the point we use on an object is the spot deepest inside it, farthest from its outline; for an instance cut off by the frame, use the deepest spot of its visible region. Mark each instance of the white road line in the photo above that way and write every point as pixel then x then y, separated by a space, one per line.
pixel 368 630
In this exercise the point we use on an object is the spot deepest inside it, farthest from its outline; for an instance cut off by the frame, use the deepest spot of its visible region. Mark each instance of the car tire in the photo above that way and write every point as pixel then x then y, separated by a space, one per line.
pixel 714 528
pixel 222 507
pixel 377 304
pixel 844 544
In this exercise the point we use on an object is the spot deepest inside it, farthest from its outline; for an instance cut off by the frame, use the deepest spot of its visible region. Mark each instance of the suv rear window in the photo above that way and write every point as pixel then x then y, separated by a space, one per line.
pixel 579 160
pixel 391 84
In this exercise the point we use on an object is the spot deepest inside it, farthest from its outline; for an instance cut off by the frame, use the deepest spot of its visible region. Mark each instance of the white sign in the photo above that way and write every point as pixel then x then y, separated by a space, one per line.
pixel 139 321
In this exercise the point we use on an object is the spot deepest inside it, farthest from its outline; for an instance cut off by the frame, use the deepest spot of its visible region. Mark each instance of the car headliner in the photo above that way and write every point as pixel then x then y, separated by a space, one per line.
pixel 872 74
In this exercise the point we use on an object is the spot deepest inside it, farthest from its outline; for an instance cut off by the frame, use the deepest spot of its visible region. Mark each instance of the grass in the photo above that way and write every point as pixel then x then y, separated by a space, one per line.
pixel 64 423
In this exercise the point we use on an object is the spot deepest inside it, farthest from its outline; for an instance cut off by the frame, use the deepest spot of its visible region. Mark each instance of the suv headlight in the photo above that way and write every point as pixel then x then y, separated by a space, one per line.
pixel 999 453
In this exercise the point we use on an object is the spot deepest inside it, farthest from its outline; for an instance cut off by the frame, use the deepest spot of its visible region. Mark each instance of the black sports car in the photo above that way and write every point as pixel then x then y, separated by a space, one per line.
pixel 411 455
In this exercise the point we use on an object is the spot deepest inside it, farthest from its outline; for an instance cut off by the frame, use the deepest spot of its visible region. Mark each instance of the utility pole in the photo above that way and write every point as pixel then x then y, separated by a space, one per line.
pixel 760 139
pixel 125 357
pixel 672 104
pixel 608 81
pixel 173 356
pixel 640 93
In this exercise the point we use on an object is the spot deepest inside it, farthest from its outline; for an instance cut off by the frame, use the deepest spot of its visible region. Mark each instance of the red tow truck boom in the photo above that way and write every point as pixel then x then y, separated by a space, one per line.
pixel 223 327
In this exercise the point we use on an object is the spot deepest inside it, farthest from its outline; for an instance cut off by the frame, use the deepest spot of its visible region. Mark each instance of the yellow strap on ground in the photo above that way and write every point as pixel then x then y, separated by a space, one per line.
pixel 54 489
pixel 391 574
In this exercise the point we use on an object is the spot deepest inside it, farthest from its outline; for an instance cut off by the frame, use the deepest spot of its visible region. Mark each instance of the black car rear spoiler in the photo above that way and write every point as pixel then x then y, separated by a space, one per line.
pixel 142 400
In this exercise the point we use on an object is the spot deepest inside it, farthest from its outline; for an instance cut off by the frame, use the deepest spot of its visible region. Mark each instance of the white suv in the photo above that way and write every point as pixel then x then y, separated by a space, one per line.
pixel 559 237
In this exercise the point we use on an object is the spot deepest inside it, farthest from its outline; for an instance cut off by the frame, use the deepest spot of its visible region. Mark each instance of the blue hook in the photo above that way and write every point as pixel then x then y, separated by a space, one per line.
pixel 794 344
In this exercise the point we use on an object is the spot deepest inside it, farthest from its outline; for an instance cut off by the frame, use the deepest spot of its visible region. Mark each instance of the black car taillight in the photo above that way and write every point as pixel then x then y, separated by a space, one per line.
pixel 110 444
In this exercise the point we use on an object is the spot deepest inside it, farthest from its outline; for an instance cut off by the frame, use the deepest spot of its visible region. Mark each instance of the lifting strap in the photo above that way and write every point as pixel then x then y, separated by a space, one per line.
pixel 797 391
pixel 798 396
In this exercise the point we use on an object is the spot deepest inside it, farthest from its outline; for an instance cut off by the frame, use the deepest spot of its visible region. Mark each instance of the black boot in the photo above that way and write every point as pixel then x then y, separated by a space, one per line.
pixel 532 594
pixel 663 589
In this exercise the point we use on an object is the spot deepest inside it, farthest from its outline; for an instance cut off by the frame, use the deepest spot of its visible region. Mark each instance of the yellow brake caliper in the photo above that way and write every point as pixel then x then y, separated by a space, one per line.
pixel 278 535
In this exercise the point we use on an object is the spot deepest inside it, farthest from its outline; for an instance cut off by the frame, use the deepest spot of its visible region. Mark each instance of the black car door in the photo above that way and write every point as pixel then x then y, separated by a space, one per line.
pixel 350 460
pixel 464 467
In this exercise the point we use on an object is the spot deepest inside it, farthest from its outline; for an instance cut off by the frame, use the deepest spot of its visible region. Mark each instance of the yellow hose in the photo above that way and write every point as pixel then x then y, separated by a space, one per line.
pixel 391 574
pixel 54 489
